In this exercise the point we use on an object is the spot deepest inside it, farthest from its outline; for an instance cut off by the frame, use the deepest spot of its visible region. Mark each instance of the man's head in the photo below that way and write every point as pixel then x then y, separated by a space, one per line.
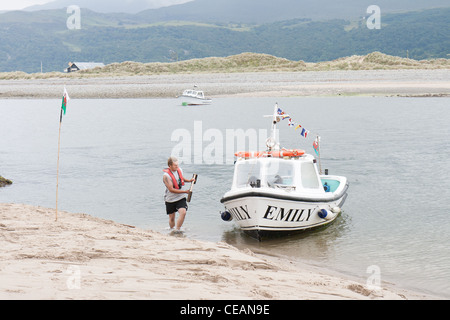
pixel 172 162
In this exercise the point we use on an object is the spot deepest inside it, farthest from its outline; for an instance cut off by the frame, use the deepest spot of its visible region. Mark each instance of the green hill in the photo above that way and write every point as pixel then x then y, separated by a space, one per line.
pixel 29 38
pixel 269 11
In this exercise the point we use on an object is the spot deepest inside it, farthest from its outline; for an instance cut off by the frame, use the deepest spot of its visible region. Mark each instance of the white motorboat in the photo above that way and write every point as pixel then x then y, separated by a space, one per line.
pixel 281 191
pixel 193 97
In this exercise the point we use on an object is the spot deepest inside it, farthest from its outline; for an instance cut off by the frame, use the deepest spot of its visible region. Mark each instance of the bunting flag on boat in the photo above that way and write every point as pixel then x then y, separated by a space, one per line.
pixel 283 115
pixel 291 123
pixel 280 112
pixel 303 131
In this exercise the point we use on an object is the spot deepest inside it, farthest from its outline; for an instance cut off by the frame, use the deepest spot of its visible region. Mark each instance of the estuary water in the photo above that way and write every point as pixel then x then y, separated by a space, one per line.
pixel 394 151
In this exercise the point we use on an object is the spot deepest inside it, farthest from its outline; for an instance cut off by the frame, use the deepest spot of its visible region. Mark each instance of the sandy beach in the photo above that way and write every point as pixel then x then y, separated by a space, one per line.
pixel 83 257
pixel 415 83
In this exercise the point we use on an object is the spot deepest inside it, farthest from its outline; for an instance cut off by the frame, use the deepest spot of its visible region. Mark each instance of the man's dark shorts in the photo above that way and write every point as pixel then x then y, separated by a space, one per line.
pixel 172 207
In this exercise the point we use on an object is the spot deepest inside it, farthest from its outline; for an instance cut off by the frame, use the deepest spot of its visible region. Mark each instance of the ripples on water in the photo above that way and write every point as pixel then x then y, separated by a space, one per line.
pixel 394 152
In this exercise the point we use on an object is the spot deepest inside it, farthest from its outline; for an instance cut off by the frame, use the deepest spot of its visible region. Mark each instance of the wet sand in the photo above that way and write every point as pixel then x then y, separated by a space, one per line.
pixel 83 257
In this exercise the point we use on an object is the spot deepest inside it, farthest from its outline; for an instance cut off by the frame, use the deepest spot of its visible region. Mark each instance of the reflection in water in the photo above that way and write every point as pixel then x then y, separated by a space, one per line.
pixel 315 244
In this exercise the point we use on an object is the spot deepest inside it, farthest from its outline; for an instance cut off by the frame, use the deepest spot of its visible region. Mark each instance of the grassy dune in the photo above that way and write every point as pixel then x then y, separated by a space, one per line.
pixel 244 62
pixel 378 61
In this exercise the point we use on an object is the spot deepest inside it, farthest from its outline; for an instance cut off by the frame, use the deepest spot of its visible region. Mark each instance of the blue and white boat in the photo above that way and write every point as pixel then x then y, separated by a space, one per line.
pixel 281 191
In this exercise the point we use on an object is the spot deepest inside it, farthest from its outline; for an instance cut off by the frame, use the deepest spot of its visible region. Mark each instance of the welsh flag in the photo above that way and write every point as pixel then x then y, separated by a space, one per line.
pixel 316 145
pixel 65 99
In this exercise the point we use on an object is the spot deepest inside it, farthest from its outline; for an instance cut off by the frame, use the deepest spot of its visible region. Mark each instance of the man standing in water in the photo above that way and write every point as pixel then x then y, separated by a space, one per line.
pixel 174 196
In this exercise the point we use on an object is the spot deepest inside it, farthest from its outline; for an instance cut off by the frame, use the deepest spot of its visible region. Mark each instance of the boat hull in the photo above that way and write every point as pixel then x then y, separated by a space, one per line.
pixel 191 101
pixel 262 215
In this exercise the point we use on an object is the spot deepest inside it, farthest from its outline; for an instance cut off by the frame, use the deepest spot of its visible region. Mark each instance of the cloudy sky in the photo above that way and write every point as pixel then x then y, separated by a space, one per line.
pixel 20 4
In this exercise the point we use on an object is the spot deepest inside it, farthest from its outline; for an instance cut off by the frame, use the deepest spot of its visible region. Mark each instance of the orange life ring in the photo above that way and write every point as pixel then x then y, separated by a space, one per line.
pixel 249 154
pixel 288 153
pixel 275 154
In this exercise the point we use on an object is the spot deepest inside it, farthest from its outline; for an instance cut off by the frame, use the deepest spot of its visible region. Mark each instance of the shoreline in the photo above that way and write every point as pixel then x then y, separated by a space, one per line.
pixel 403 83
pixel 84 257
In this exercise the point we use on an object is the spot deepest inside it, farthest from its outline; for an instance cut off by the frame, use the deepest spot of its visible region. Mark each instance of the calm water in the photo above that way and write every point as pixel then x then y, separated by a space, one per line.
pixel 394 151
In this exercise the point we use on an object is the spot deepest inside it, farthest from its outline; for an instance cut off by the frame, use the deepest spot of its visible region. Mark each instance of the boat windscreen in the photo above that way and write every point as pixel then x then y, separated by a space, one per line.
pixel 281 174
pixel 247 173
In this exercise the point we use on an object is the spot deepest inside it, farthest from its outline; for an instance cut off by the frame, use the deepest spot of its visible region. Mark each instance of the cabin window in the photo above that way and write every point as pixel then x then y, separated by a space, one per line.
pixel 248 174
pixel 309 176
pixel 281 174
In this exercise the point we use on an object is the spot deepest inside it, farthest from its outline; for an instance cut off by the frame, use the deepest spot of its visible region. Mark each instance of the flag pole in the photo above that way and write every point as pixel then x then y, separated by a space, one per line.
pixel 57 164
pixel 65 99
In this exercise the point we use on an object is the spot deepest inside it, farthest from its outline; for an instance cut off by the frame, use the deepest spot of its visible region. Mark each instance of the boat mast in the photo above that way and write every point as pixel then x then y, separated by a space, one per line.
pixel 274 122
pixel 271 142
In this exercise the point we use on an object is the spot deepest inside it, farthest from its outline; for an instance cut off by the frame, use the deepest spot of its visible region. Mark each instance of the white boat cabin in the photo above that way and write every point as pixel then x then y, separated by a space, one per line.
pixel 194 94
pixel 296 174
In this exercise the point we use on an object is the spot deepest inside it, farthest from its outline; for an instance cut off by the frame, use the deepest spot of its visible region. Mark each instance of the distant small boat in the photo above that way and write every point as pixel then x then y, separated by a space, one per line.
pixel 194 97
